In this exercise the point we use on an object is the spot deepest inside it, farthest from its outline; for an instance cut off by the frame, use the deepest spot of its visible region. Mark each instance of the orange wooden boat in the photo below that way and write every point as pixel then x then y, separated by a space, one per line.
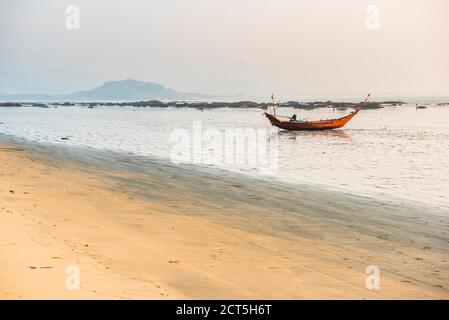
pixel 314 125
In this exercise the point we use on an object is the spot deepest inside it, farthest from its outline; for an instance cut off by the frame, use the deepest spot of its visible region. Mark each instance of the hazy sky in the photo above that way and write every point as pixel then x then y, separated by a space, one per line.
pixel 294 48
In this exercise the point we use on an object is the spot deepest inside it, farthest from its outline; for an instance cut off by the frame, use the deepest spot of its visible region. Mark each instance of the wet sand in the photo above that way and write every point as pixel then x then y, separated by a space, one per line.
pixel 139 228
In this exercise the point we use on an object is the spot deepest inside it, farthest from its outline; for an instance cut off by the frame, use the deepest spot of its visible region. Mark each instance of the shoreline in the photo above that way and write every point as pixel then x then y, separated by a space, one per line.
pixel 130 162
pixel 155 231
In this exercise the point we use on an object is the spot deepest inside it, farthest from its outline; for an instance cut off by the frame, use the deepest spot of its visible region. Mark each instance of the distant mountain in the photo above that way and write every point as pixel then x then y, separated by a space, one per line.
pixel 115 90
pixel 130 90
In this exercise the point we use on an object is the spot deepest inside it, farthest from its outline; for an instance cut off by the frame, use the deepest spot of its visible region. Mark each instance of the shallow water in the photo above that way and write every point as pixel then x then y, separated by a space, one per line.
pixel 397 152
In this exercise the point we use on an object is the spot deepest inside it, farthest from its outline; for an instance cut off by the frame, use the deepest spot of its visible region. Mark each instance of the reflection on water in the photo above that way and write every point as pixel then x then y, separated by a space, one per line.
pixel 393 152
pixel 337 134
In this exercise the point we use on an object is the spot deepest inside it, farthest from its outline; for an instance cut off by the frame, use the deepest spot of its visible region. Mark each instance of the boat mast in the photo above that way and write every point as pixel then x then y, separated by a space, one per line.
pixel 274 105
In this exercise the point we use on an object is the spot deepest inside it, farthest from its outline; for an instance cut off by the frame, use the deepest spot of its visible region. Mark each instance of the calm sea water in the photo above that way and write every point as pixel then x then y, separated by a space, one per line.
pixel 395 152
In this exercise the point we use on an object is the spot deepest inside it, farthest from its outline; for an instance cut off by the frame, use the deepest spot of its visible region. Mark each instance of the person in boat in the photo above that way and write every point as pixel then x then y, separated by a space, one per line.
pixel 294 118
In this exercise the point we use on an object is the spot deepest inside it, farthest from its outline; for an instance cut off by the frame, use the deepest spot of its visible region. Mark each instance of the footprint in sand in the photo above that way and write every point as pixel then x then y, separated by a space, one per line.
pixel 174 261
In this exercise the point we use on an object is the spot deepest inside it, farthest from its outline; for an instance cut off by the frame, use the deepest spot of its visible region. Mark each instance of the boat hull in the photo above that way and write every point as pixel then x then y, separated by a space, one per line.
pixel 311 125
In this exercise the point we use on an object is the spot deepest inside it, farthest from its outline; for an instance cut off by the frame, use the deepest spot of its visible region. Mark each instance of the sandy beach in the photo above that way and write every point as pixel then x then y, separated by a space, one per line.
pixel 144 230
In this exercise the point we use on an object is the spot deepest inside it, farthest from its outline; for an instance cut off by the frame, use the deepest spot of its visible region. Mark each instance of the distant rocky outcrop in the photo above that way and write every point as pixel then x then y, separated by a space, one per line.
pixel 331 104
pixel 10 104
pixel 209 105
pixel 239 104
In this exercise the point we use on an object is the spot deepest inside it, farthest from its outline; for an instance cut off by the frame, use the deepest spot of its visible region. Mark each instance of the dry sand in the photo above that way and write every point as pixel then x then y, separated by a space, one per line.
pixel 140 235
